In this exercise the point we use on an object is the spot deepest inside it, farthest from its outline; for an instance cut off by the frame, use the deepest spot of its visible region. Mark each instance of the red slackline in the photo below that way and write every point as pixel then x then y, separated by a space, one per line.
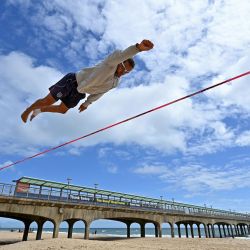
pixel 126 120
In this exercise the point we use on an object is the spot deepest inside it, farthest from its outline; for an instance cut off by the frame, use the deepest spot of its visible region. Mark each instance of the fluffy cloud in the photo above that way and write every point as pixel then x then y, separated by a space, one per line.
pixel 195 178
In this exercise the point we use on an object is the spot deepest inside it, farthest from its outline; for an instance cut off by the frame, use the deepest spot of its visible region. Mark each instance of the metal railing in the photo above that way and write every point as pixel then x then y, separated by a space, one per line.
pixel 68 196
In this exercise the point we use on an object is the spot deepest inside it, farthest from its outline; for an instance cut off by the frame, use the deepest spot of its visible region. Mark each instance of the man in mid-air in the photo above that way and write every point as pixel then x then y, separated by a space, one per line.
pixel 94 81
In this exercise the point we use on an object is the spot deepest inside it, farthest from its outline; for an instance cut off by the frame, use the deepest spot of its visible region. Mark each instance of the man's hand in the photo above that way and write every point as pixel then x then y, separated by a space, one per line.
pixel 145 45
pixel 82 108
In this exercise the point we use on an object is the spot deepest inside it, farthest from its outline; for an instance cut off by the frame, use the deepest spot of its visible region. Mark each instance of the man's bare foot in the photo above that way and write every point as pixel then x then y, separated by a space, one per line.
pixel 35 113
pixel 25 115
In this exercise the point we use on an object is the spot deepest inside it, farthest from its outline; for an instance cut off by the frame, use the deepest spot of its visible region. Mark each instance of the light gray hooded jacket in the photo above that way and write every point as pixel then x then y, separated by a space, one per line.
pixel 98 80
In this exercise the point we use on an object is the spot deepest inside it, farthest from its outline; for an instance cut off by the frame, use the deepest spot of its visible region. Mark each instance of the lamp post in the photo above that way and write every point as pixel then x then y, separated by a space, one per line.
pixel 68 180
pixel 96 186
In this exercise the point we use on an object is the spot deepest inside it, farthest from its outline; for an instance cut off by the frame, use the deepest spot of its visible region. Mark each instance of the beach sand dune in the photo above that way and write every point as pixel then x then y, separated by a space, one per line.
pixel 108 243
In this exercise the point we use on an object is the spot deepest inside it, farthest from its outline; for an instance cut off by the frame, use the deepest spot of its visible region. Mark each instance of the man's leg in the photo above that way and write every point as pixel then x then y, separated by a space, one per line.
pixel 46 101
pixel 62 109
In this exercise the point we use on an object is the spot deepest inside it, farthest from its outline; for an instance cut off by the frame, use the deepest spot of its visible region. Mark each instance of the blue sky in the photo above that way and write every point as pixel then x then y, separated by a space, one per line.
pixel 196 151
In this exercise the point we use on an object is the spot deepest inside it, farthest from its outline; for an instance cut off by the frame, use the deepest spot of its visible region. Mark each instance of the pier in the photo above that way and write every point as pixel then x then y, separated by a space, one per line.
pixel 35 200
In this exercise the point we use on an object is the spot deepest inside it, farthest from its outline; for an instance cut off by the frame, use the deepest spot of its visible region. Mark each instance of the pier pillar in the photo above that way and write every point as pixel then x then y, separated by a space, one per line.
pixel 237 230
pixel 39 230
pixel 228 231
pixel 172 229
pixel 192 230
pixel 142 224
pixel 158 230
pixel 199 230
pixel 244 230
pixel 209 231
pixel 219 230
pixel 232 232
pixel 56 229
pixel 241 230
pixel 213 232
pixel 86 234
pixel 224 231
pixel 26 229
pixel 128 228
pixel 179 229
pixel 70 229
pixel 186 229
pixel 205 230
pixel 248 229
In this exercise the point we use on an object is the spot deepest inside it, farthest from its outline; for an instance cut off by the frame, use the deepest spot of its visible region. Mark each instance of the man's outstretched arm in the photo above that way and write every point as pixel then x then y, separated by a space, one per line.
pixel 119 56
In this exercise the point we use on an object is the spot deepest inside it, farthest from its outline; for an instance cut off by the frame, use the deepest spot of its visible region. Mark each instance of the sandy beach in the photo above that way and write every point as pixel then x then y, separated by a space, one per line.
pixel 12 241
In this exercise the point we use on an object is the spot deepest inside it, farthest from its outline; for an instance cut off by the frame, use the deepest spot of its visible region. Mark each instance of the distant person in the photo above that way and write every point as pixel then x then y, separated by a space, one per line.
pixel 94 81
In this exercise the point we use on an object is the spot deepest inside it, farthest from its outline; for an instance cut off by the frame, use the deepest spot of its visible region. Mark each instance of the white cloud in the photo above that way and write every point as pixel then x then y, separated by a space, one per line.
pixel 196 179
pixel 150 170
pixel 244 139
pixel 112 169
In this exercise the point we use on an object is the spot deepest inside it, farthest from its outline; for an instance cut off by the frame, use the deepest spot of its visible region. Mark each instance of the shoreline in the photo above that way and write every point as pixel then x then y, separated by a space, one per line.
pixel 13 241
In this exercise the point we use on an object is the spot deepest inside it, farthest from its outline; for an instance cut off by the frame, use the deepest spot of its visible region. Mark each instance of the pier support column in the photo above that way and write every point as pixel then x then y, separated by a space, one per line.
pixel 39 230
pixel 248 229
pixel 228 231
pixel 244 229
pixel 158 230
pixel 241 230
pixel 237 230
pixel 142 224
pixel 199 230
pixel 213 232
pixel 179 230
pixel 70 229
pixel 56 229
pixel 86 234
pixel 209 231
pixel 232 232
pixel 192 230
pixel 172 229
pixel 128 228
pixel 224 230
pixel 205 229
pixel 219 230
pixel 26 229
pixel 186 229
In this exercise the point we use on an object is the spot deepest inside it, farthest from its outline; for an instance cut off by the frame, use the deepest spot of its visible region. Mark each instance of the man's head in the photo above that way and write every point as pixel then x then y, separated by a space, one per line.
pixel 125 67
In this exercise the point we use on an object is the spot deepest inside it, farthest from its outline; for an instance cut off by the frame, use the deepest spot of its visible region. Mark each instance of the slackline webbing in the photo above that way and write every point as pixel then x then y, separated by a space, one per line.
pixel 126 120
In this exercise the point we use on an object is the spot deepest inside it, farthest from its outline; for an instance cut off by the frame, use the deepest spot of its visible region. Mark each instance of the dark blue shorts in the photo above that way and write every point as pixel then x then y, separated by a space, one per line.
pixel 66 91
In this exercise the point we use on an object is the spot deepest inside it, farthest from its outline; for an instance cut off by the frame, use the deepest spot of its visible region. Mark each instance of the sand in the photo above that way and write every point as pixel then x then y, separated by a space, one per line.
pixel 12 241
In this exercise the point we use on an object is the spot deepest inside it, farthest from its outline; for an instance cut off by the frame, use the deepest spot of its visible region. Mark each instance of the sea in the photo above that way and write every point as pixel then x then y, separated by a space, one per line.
pixel 122 232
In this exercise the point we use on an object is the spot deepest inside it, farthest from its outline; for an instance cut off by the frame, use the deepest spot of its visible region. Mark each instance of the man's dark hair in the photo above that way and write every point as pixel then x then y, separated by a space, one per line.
pixel 131 62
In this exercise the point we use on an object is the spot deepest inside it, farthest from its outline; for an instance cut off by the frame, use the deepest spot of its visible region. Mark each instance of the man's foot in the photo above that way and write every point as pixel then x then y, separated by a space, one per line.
pixel 25 115
pixel 35 113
